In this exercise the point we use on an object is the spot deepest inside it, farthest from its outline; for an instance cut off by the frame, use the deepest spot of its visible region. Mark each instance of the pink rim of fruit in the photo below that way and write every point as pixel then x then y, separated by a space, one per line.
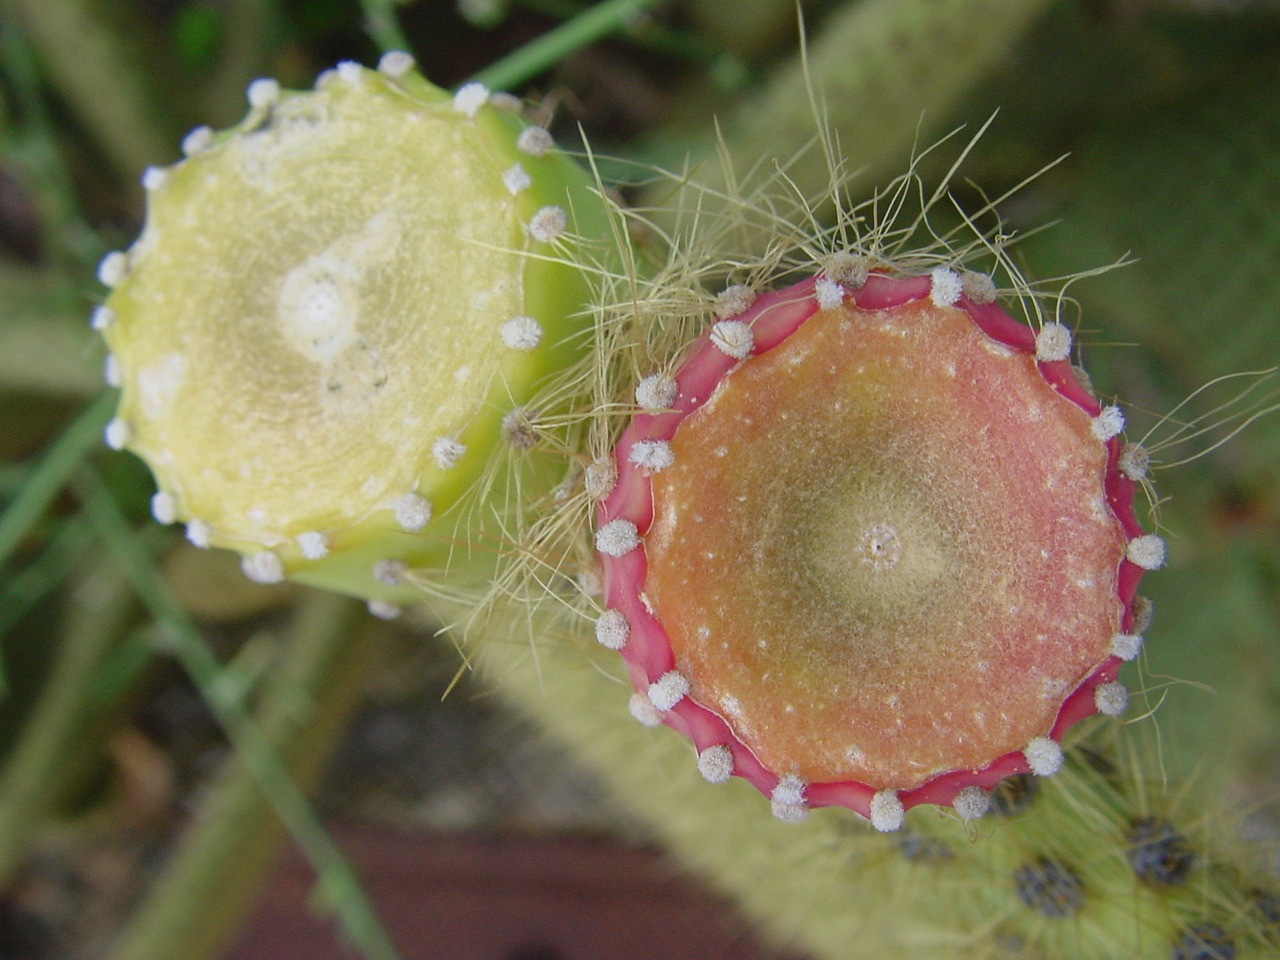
pixel 627 513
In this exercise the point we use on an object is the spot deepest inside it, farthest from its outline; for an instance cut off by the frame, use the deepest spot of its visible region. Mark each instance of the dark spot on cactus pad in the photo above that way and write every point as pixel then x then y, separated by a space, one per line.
pixel 922 849
pixel 1050 888
pixel 1015 794
pixel 1204 941
pixel 1159 854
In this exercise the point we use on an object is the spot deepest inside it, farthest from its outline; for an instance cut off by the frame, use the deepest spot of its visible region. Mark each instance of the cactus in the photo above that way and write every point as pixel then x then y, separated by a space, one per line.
pixel 574 457
pixel 297 283
pixel 889 552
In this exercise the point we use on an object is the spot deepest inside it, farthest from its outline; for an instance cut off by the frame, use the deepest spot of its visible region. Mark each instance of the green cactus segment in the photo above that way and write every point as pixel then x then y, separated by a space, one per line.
pixel 330 316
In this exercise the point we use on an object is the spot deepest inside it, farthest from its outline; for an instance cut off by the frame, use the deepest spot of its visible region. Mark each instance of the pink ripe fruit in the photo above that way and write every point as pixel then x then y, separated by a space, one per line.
pixel 875 550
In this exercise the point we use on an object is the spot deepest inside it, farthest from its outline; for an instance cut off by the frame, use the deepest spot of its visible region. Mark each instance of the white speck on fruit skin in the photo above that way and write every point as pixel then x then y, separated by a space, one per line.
pixel 154 178
pixel 111 370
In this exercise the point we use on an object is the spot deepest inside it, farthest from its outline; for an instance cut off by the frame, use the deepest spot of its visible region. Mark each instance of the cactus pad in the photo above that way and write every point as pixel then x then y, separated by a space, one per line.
pixel 875 549
pixel 332 314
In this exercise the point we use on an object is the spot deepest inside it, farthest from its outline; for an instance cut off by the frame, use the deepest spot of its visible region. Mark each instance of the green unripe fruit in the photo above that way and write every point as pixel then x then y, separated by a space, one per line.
pixel 327 335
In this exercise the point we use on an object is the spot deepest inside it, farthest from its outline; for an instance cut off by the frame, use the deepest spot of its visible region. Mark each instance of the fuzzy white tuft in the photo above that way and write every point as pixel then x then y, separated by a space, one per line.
pixel 733 338
pixel 828 293
pixel 199 533
pixel 446 452
pixel 972 803
pixel 847 269
pixel 617 538
pixel 154 178
pixel 518 428
pixel 263 567
pixel 350 73
pixel 470 98
pixel 1135 462
pixel 643 710
pixel 1111 699
pixel 1053 343
pixel 116 435
pixel 887 812
pixel 548 224
pixel 612 630
pixel 651 455
pixel 263 93
pixel 111 370
pixel 384 609
pixel 668 690
pixel 113 267
pixel 516 179
pixel 1147 551
pixel 1109 423
pixel 101 318
pixel 521 333
pixel 197 141
pixel 390 572
pixel 716 763
pixel 535 141
pixel 733 300
pixel 945 287
pixel 313 545
pixel 1044 756
pixel 412 511
pixel 978 288
pixel 1126 646
pixel 787 799
pixel 656 392
pixel 396 63
pixel 599 478
pixel 164 507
